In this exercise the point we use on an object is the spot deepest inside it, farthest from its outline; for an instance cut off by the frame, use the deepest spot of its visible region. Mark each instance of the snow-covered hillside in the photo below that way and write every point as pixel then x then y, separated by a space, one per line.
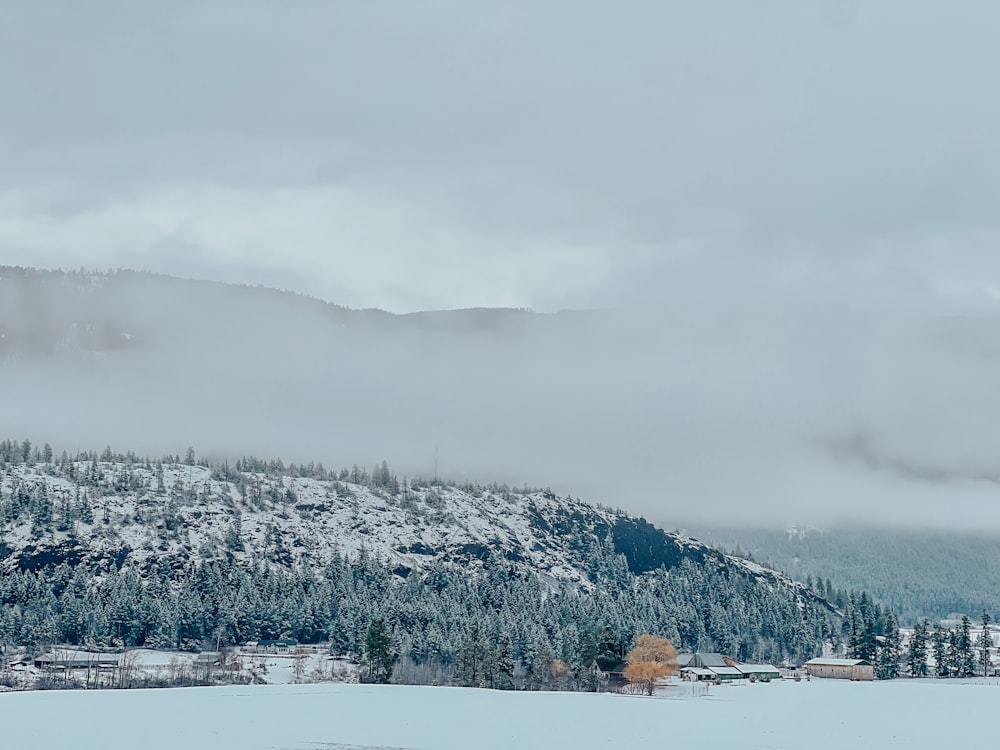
pixel 122 508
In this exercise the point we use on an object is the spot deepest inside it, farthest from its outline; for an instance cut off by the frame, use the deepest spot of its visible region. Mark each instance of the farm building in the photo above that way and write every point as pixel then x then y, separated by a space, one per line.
pixel 209 659
pixel 719 668
pixel 727 674
pixel 277 646
pixel 612 670
pixel 707 660
pixel 760 672
pixel 840 669
pixel 709 667
pixel 712 674
pixel 76 660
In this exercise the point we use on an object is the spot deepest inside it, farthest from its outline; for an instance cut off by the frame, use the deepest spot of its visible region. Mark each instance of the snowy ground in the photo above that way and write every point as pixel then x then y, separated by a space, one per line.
pixel 912 714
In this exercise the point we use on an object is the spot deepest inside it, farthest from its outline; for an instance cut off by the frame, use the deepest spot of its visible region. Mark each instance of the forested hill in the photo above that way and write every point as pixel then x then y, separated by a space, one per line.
pixel 303 552
pixel 932 574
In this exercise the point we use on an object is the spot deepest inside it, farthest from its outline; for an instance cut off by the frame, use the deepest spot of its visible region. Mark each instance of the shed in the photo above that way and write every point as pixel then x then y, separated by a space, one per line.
pixel 762 672
pixel 840 669
pixel 728 674
pixel 697 674
pixel 209 659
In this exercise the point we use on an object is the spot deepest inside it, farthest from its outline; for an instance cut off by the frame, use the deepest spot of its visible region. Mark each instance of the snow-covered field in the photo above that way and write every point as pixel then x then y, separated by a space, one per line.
pixel 912 714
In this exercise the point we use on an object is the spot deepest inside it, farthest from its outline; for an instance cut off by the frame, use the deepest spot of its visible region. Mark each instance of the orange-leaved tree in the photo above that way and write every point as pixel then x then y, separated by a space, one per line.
pixel 652 659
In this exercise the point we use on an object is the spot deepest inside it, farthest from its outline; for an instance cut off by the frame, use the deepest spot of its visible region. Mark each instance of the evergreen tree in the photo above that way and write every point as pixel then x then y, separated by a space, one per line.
pixel 939 645
pixel 887 665
pixel 984 643
pixel 505 664
pixel 234 535
pixel 611 645
pixel 916 658
pixel 954 655
pixel 470 667
pixel 966 650
pixel 540 668
pixel 864 640
pixel 41 517
pixel 378 651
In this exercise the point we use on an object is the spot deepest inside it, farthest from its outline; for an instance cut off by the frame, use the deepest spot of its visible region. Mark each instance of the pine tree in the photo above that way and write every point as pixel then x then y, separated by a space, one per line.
pixel 865 643
pixel 954 656
pixel 469 669
pixel 939 644
pixel 966 651
pixel 505 664
pixel 984 643
pixel 41 517
pixel 887 666
pixel 610 645
pixel 916 659
pixel 234 535
pixel 540 668
pixel 378 651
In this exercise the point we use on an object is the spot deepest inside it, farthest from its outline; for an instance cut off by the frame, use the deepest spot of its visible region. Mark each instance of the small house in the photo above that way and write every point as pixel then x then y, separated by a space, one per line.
pixel 277 646
pixel 840 669
pixel 612 671
pixel 209 659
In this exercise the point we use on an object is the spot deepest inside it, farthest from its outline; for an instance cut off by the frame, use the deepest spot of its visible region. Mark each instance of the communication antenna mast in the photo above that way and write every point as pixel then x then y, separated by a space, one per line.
pixel 435 463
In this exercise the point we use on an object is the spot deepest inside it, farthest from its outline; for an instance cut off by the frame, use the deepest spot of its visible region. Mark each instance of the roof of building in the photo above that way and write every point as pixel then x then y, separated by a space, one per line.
pixel 699 671
pixel 707 660
pixel 684 659
pixel 77 658
pixel 611 666
pixel 823 662
pixel 756 668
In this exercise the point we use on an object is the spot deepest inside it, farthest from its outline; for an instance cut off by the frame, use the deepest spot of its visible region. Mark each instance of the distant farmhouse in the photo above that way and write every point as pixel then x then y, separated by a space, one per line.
pixel 718 668
pixel 55 661
pixel 840 669
pixel 275 646
pixel 699 667
pixel 611 671
pixel 210 659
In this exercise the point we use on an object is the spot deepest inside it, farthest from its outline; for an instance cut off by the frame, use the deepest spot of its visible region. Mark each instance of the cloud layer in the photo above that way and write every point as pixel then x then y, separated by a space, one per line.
pixel 790 208
pixel 518 153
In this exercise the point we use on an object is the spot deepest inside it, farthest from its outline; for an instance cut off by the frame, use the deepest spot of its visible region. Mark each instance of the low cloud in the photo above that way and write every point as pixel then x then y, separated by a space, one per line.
pixel 784 216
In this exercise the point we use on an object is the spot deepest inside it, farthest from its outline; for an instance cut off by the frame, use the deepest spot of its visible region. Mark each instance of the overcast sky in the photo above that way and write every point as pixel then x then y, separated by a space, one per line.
pixel 543 154
pixel 799 198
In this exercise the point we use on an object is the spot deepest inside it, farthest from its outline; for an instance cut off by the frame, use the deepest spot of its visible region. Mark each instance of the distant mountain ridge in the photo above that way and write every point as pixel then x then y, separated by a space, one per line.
pixel 919 573
pixel 48 312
